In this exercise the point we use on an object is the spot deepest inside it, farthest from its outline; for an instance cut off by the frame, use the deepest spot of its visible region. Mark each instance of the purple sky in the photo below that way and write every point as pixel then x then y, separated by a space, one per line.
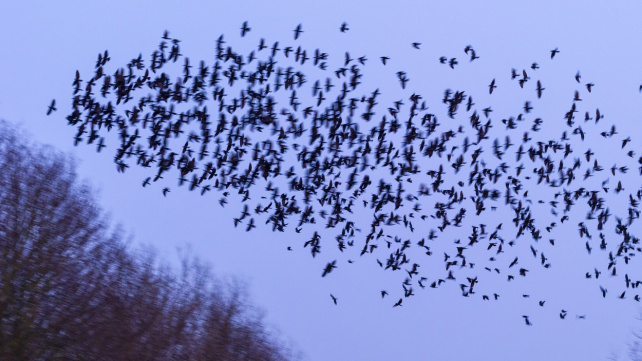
pixel 43 43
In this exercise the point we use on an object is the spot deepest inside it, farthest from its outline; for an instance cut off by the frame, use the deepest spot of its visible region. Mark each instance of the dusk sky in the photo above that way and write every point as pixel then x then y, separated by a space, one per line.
pixel 43 44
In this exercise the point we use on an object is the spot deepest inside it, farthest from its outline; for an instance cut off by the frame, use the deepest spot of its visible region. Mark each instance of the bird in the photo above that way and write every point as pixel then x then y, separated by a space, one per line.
pixel 101 145
pixel 416 45
pixel 334 299
pixel 473 55
pixel 245 29
pixel 52 107
pixel 403 79
pixel 328 268
pixel 603 290
pixel 540 89
pixel 553 52
pixel 492 86
pixel 344 27
pixel 250 225
pixel 297 32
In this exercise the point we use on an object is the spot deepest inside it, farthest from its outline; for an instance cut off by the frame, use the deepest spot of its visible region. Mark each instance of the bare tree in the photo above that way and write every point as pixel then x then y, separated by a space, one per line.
pixel 72 289
pixel 634 350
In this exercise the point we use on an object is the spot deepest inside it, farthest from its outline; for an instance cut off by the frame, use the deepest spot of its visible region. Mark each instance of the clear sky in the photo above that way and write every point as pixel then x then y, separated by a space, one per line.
pixel 43 43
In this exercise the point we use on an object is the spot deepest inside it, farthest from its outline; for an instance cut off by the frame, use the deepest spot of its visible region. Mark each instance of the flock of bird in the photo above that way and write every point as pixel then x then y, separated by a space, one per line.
pixel 299 150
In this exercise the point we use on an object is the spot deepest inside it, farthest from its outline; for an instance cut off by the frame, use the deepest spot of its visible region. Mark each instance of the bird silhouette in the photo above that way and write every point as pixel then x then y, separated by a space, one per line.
pixel 297 31
pixel 329 267
pixel 334 299
pixel 52 107
pixel 245 29
pixel 492 86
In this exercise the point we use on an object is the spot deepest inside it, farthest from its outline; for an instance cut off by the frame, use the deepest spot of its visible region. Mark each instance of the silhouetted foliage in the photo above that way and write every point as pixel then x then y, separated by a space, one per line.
pixel 71 288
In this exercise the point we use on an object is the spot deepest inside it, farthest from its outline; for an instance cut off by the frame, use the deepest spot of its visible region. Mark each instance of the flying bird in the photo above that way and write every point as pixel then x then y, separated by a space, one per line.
pixel 540 89
pixel 492 86
pixel 328 268
pixel 297 32
pixel 52 107
pixel 334 299
pixel 245 29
